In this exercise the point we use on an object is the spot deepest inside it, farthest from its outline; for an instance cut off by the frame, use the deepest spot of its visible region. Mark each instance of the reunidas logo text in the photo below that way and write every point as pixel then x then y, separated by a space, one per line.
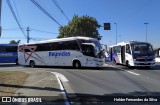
pixel 60 53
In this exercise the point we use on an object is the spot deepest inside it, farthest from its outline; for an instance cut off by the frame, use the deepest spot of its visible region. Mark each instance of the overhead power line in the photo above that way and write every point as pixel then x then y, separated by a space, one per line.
pixel 57 5
pixel 37 30
pixel 17 12
pixel 45 12
pixel 11 29
pixel 43 31
pixel 14 15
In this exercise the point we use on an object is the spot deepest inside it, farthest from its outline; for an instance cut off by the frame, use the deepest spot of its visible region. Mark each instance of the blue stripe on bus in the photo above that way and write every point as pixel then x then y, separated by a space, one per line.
pixel 8 57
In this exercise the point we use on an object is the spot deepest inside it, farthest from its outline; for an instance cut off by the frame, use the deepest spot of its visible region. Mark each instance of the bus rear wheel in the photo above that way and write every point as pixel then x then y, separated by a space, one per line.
pixel 17 63
pixel 32 64
pixel 76 64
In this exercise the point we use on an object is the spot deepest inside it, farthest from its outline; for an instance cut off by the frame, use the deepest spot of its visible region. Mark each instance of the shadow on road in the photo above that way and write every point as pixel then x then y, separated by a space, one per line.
pixel 82 68
pixel 30 87
pixel 46 100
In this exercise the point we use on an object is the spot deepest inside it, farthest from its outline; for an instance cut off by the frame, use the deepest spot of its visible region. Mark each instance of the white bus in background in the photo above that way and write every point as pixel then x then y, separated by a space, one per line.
pixel 132 53
pixel 157 55
pixel 72 51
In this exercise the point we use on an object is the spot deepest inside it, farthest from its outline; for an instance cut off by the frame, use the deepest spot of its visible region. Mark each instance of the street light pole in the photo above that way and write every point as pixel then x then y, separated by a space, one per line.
pixel 146 30
pixel 120 38
pixel 0 17
pixel 116 32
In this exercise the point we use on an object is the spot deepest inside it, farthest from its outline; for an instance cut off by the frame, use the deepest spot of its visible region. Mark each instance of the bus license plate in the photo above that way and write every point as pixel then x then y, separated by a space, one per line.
pixel 145 62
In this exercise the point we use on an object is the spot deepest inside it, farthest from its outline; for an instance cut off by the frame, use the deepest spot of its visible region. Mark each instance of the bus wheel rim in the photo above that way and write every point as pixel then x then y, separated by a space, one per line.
pixel 32 64
pixel 76 65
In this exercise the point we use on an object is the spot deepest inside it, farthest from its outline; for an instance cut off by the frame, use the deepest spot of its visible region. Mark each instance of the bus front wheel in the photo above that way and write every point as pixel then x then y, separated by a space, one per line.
pixel 32 64
pixel 128 65
pixel 76 64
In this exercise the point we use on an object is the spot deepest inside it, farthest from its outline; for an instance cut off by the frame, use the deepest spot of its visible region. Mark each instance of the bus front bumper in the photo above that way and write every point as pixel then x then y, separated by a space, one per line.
pixel 99 63
pixel 149 63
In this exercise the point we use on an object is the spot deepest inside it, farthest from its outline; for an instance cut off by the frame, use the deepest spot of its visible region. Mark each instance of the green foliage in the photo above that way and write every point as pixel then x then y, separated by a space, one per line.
pixel 14 42
pixel 80 26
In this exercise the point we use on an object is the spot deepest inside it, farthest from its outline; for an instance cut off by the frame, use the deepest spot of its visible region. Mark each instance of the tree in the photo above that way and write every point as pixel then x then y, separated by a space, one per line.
pixel 14 42
pixel 81 26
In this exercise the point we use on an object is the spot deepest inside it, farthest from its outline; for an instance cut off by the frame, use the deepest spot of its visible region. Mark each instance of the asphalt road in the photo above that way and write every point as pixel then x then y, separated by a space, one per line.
pixel 89 86
pixel 112 80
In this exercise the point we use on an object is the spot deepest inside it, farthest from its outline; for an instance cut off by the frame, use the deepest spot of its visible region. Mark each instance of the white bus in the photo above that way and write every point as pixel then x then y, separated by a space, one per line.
pixel 132 53
pixel 72 51
pixel 157 55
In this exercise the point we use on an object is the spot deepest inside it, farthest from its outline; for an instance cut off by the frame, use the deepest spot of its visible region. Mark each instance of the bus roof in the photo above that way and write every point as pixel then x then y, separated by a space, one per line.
pixel 62 39
pixel 8 44
pixel 128 42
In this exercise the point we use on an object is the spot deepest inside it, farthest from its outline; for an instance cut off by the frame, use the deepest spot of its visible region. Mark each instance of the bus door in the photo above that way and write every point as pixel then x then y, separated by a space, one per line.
pixel 119 54
pixel 110 53
pixel 123 54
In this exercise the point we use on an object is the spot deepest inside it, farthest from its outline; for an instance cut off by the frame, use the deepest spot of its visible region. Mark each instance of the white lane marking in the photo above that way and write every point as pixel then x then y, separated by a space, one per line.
pixel 124 70
pixel 62 77
pixel 59 78
pixel 133 73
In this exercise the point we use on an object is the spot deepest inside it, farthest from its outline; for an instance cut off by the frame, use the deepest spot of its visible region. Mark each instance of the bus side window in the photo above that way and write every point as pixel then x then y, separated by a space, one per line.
pixel 72 45
pixel 62 45
pixel 128 49
pixel 118 49
pixel 3 49
pixel 114 49
pixel 11 49
pixel 88 50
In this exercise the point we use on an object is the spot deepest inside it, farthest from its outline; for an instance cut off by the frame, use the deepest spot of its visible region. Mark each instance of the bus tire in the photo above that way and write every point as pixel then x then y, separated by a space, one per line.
pixel 32 64
pixel 147 67
pixel 76 64
pixel 128 65
pixel 17 63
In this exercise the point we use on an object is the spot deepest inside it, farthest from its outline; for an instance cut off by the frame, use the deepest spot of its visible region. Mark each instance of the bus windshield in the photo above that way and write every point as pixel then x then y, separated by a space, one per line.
pixel 142 49
pixel 97 48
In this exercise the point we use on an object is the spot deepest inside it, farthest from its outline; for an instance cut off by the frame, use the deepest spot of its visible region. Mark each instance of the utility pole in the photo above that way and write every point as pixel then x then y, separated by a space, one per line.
pixel 28 34
pixel 146 30
pixel 0 17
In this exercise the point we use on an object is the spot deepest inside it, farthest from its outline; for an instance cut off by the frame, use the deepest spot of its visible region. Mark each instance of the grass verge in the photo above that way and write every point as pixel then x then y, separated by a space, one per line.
pixel 9 80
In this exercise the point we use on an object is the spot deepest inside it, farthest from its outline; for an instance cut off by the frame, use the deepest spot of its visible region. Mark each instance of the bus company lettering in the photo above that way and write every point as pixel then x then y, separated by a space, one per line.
pixel 6 54
pixel 63 53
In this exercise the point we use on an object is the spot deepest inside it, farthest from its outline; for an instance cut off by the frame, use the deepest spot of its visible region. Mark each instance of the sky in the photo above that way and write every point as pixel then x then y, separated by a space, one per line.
pixel 129 15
